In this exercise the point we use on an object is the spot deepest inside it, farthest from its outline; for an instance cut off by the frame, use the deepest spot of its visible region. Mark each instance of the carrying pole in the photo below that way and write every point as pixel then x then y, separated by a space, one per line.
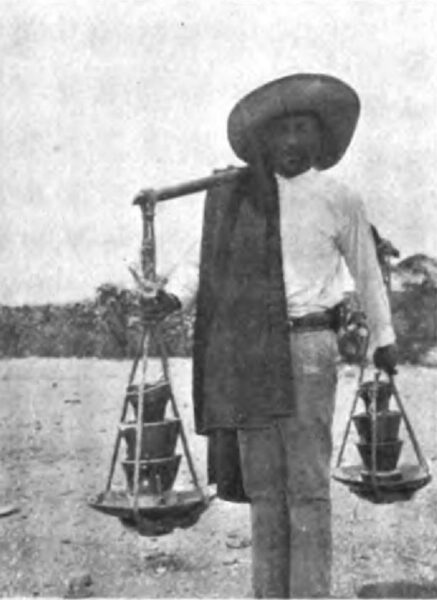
pixel 189 187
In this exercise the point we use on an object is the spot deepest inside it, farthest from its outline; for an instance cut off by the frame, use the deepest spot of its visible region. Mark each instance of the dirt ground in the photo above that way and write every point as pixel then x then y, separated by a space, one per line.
pixel 58 420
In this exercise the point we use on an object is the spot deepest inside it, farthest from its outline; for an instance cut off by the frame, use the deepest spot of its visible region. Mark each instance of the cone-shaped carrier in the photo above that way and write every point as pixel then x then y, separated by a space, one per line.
pixel 387 426
pixel 158 464
pixel 155 399
pixel 378 428
pixel 158 439
pixel 380 391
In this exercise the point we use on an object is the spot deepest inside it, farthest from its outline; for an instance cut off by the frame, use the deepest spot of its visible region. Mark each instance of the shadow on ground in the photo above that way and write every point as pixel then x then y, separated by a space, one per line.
pixel 398 589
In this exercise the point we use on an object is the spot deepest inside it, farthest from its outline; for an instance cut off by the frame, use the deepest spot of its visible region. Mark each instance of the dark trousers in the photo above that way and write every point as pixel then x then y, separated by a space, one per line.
pixel 286 475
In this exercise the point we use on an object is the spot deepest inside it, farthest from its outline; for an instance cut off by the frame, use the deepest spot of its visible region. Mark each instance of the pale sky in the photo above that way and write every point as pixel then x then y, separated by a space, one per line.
pixel 100 99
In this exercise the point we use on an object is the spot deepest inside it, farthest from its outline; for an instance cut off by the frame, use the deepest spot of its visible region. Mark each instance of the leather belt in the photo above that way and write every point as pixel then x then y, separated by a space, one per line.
pixel 327 319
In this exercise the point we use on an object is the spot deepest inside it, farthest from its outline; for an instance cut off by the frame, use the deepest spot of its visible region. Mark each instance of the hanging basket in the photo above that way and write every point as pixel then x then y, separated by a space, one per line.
pixel 155 514
pixel 149 504
pixel 379 478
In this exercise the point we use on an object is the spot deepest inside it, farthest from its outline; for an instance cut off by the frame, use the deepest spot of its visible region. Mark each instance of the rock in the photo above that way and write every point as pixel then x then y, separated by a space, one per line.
pixel 236 542
pixel 230 561
pixel 79 586
pixel 8 509
pixel 160 562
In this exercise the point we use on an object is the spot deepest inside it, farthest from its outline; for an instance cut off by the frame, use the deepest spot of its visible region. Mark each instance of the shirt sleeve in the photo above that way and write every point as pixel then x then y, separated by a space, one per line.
pixel 183 279
pixel 358 248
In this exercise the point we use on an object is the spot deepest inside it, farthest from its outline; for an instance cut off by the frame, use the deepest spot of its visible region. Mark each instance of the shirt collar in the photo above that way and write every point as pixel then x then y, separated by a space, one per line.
pixel 292 181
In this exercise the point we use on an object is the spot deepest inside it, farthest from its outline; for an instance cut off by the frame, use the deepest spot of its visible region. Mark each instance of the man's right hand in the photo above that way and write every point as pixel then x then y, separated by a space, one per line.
pixel 159 307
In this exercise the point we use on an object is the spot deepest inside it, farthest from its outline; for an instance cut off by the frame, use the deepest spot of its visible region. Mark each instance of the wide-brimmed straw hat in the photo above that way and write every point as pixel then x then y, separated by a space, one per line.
pixel 334 102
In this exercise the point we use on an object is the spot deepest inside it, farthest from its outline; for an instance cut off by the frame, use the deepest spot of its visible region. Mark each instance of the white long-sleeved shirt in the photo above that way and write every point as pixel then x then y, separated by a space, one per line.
pixel 322 222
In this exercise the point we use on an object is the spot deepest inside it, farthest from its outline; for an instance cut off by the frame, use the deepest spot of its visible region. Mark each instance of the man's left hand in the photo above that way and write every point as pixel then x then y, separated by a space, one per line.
pixel 386 358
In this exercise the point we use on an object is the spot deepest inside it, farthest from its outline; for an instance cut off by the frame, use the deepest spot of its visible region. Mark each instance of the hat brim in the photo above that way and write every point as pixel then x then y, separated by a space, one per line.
pixel 334 102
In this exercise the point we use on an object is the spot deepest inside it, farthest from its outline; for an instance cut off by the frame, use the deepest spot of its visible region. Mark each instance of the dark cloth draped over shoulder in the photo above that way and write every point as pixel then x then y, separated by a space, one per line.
pixel 241 352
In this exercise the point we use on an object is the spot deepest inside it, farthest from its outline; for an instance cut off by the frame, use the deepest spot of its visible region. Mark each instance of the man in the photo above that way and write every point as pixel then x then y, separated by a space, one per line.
pixel 265 350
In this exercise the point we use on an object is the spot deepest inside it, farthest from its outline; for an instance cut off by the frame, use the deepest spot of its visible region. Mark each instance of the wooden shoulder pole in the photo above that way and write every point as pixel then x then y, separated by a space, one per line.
pixel 189 187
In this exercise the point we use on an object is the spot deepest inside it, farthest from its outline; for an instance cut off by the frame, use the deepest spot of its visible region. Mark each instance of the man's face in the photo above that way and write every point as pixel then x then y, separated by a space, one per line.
pixel 292 143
